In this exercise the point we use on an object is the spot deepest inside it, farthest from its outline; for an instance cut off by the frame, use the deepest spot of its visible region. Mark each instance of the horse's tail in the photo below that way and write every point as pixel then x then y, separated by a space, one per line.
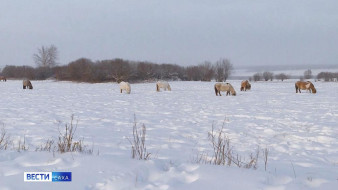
pixel 169 88
pixel 157 88
pixel 296 86
pixel 216 91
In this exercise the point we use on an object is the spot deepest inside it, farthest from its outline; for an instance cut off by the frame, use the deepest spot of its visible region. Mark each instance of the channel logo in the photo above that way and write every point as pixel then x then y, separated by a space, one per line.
pixel 47 176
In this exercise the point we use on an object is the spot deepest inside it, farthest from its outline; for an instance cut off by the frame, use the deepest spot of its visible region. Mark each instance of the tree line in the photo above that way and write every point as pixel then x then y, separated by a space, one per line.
pixel 266 76
pixel 86 70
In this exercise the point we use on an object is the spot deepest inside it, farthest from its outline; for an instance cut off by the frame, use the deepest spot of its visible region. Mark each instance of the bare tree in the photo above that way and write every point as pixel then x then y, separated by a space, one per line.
pixel 206 70
pixel 281 76
pixel 327 76
pixel 257 76
pixel 308 74
pixel 46 56
pixel 223 70
pixel 267 76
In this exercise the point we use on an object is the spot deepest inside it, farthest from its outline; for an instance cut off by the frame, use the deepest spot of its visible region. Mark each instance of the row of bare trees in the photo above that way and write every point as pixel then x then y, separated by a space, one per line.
pixel 115 70
pixel 268 76
pixel 85 70
pixel 326 76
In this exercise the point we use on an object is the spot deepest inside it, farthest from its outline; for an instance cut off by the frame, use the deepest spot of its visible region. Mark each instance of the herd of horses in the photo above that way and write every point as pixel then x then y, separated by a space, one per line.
pixel 224 87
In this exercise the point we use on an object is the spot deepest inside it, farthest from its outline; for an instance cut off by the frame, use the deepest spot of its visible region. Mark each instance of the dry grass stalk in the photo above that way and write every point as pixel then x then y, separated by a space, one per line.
pixel 138 143
pixel 66 141
pixel 223 153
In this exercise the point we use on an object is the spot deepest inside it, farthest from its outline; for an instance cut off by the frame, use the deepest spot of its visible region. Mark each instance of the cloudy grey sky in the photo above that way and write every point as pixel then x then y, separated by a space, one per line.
pixel 185 32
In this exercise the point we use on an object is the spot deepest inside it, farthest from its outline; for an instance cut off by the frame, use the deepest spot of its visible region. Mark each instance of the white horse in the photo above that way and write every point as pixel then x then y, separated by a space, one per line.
pixel 162 84
pixel 27 83
pixel 125 86
pixel 227 87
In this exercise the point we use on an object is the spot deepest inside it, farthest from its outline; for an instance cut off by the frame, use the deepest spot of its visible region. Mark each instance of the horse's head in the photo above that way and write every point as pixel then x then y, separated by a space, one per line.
pixel 233 92
pixel 313 89
pixel 169 88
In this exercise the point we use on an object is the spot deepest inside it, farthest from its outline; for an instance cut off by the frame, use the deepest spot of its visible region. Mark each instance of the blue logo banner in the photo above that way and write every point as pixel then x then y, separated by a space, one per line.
pixel 61 176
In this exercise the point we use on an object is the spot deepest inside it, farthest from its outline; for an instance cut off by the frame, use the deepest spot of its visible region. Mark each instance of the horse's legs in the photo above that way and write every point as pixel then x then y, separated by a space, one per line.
pixel 121 90
pixel 24 87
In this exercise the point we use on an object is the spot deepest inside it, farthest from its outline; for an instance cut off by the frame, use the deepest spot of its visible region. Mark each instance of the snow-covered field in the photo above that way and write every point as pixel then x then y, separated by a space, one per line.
pixel 300 130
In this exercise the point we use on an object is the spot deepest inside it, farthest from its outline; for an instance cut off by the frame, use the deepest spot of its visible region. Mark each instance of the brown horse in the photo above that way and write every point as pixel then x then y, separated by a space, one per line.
pixel 2 78
pixel 224 87
pixel 305 86
pixel 245 85
pixel 27 83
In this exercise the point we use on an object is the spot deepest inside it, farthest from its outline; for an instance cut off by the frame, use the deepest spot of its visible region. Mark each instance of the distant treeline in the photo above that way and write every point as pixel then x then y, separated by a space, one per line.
pixel 85 70
pixel 266 76
pixel 328 76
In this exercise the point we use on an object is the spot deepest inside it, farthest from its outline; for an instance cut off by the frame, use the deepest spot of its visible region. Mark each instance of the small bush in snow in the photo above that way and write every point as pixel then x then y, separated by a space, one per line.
pixel 47 146
pixel 138 143
pixel 66 141
pixel 4 139
pixel 223 153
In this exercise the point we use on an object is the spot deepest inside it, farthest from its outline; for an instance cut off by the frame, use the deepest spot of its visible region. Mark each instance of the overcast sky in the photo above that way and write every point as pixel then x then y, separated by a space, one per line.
pixel 185 32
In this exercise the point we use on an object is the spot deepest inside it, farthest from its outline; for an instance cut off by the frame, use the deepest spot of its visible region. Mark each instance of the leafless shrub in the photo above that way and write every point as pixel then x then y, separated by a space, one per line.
pixel 4 139
pixel 253 160
pixel 47 146
pixel 223 153
pixel 202 158
pixel 66 141
pixel 138 143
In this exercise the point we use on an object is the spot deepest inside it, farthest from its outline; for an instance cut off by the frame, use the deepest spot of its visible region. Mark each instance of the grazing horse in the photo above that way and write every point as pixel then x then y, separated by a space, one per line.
pixel 162 84
pixel 27 83
pixel 305 86
pixel 224 87
pixel 2 78
pixel 245 85
pixel 125 86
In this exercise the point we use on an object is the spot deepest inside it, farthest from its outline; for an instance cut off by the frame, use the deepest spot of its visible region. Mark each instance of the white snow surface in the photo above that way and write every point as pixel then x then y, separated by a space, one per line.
pixel 300 131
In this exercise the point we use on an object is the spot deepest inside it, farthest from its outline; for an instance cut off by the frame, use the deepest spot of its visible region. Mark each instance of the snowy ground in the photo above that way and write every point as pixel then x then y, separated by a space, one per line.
pixel 300 130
